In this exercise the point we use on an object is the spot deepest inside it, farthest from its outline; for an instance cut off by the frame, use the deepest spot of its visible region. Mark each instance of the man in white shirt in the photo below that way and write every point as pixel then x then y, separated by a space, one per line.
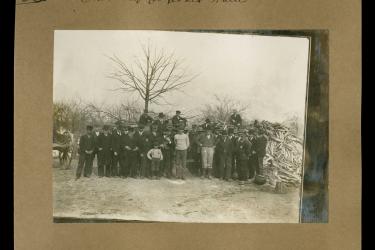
pixel 182 144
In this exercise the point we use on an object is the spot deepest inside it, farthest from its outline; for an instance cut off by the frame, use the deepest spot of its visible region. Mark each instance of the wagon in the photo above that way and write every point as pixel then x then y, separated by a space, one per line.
pixel 63 144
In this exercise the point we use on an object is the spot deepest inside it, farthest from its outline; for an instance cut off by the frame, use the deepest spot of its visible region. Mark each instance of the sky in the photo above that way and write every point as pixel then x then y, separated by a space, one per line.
pixel 268 74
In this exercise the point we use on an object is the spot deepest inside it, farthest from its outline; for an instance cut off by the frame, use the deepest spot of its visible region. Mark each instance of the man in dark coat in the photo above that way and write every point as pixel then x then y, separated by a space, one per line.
pixel 104 144
pixel 145 119
pixel 145 144
pixel 235 119
pixel 178 121
pixel 253 161
pixel 86 150
pixel 243 148
pixel 207 124
pixel 224 150
pixel 167 150
pixel 123 168
pixel 116 150
pixel 130 144
pixel 260 145
pixel 160 123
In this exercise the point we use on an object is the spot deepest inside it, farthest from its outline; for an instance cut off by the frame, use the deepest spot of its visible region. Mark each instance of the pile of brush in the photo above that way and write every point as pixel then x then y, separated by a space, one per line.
pixel 283 161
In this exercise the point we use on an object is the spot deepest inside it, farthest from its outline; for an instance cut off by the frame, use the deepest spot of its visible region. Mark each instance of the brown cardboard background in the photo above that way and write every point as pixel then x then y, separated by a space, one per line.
pixel 35 22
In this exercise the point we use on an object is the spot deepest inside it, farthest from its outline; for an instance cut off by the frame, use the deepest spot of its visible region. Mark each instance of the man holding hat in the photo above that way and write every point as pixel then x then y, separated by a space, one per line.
pixel 145 144
pixel 86 150
pixel 167 150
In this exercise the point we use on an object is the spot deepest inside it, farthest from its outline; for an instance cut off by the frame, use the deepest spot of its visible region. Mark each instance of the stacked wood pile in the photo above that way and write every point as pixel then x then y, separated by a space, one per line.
pixel 283 161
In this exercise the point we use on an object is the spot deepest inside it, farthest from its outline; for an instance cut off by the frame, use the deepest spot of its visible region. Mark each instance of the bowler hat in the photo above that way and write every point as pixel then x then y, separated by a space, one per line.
pixel 89 127
pixel 161 115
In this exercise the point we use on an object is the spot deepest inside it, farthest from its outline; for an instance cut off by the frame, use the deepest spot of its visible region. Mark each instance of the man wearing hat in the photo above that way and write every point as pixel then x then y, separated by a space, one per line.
pixel 260 145
pixel 160 123
pixel 207 143
pixel 86 150
pixel 145 119
pixel 206 124
pixel 235 119
pixel 167 150
pixel 104 143
pixel 224 150
pixel 177 120
pixel 131 148
pixel 243 148
pixel 145 144
pixel 116 150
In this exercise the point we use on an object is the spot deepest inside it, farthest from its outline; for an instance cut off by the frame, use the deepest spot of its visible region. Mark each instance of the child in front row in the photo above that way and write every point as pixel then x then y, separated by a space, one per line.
pixel 156 156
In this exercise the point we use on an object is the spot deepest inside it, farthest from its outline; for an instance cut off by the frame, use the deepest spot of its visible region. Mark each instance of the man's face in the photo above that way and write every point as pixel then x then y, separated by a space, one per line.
pixel 89 131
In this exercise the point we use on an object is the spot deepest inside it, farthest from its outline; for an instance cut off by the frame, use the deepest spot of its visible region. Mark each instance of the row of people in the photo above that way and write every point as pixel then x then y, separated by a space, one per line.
pixel 128 153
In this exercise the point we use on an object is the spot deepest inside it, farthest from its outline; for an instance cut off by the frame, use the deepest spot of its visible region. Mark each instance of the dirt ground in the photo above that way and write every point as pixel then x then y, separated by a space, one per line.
pixel 191 200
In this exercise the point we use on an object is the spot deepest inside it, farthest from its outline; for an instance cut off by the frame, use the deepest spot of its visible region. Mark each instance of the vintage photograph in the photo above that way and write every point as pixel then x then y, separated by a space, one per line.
pixel 178 126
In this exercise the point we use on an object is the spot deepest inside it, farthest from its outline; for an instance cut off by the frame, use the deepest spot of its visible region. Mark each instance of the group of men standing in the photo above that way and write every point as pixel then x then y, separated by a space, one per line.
pixel 228 155
pixel 126 151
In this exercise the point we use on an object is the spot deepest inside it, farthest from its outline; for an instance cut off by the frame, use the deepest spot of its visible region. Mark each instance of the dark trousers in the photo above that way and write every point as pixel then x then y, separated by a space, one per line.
pixel 167 163
pixel 225 167
pixel 253 162
pixel 132 163
pixel 144 166
pixel 85 163
pixel 114 166
pixel 242 169
pixel 104 163
pixel 259 163
pixel 123 166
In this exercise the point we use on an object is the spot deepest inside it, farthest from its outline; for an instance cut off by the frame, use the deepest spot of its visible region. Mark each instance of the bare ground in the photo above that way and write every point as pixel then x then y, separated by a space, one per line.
pixel 192 200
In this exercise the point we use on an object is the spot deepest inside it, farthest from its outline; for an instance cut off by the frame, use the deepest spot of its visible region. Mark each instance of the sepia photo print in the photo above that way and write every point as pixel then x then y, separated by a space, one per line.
pixel 179 126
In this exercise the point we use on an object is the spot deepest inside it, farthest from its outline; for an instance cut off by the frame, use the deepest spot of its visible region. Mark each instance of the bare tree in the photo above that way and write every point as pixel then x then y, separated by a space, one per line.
pixel 155 73
pixel 128 111
pixel 221 109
